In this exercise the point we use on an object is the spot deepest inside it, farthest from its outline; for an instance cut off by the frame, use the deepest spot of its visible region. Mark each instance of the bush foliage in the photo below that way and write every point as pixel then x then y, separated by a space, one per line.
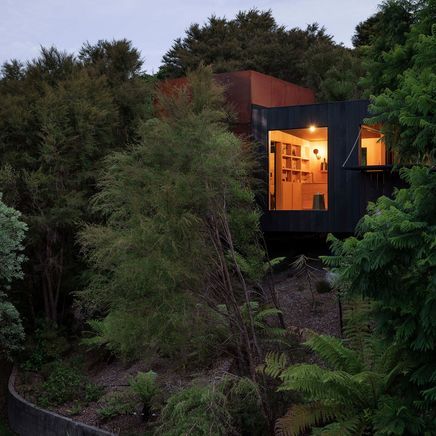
pixel 12 233
pixel 66 383
pixel 231 405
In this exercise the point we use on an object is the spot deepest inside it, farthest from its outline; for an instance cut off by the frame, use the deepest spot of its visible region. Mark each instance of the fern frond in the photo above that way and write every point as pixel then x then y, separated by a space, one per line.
pixel 335 354
pixel 349 427
pixel 265 313
pixel 275 363
pixel 322 384
pixel 358 326
pixel 302 417
pixel 430 394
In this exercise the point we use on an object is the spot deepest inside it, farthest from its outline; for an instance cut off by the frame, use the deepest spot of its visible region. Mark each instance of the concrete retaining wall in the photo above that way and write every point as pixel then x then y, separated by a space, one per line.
pixel 26 419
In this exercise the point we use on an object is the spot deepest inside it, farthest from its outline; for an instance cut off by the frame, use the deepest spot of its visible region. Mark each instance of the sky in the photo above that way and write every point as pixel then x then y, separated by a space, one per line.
pixel 152 25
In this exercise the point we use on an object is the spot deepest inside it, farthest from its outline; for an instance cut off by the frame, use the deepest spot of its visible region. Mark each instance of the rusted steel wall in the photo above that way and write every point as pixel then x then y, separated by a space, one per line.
pixel 238 93
pixel 269 92
pixel 246 88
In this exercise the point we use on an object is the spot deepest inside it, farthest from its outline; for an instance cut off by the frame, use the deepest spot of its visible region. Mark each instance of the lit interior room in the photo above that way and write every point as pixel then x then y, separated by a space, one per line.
pixel 372 147
pixel 298 169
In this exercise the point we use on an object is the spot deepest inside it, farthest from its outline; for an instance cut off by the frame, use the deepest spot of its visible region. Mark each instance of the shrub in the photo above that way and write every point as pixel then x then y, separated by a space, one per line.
pixel 198 410
pixel 47 345
pixel 4 430
pixel 144 385
pixel 12 232
pixel 189 334
pixel 11 329
pixel 116 404
pixel 66 383
pixel 244 404
pixel 353 395
pixel 231 405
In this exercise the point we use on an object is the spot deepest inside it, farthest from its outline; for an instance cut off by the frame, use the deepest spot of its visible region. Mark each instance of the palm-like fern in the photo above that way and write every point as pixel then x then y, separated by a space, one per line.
pixel 341 399
pixel 351 394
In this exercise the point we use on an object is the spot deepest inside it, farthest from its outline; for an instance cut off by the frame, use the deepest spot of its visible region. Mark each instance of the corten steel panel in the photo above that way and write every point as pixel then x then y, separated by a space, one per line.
pixel 347 199
pixel 246 88
pixel 238 93
pixel 269 91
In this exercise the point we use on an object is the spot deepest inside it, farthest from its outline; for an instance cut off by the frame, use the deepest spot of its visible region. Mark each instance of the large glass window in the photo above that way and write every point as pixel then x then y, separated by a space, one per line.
pixel 298 169
pixel 372 147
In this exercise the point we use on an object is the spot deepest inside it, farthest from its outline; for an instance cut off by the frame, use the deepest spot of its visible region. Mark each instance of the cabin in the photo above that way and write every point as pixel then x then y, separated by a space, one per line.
pixel 322 164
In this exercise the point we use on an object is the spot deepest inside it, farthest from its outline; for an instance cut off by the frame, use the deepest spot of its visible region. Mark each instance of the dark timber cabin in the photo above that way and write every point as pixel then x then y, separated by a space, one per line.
pixel 322 163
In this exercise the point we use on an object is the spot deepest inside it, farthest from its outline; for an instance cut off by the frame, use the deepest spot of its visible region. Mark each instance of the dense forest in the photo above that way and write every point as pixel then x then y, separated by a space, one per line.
pixel 130 235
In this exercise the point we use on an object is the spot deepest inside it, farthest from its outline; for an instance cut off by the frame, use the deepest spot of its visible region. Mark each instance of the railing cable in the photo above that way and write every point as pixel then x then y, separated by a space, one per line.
pixel 352 149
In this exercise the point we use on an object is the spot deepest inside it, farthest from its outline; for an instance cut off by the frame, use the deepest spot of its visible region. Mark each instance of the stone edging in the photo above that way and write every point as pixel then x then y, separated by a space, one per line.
pixel 26 419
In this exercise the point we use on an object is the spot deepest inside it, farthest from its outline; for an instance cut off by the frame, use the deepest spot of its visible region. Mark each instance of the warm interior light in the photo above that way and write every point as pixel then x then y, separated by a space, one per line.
pixel 312 128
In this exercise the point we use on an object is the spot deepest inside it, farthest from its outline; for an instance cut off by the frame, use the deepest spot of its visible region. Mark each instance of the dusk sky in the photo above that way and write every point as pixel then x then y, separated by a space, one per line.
pixel 152 25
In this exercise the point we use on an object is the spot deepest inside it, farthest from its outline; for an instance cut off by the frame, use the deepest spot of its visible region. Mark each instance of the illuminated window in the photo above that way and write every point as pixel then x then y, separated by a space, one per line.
pixel 372 147
pixel 298 169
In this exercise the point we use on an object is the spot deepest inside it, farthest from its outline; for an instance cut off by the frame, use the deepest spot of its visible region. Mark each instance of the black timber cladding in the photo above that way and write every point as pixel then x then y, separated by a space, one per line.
pixel 346 189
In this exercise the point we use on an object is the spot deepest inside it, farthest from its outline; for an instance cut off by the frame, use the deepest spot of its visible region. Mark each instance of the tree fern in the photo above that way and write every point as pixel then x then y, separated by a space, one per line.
pixel 345 397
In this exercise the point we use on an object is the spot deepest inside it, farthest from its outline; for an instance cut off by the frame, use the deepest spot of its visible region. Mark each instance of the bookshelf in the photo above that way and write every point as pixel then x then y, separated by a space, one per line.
pixel 292 163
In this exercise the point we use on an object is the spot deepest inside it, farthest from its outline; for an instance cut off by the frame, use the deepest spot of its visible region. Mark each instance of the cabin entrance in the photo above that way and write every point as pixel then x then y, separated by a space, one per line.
pixel 298 169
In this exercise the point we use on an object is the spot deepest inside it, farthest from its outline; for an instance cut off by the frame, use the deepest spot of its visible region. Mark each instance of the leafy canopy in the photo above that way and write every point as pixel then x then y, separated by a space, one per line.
pixel 254 41
pixel 60 115
pixel 401 73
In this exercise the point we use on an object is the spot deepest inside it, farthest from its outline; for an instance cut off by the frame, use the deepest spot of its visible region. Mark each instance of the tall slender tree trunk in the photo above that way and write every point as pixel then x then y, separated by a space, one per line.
pixel 51 261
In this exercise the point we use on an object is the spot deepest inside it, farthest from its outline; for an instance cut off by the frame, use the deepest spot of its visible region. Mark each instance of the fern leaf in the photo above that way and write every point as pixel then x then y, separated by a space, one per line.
pixel 348 427
pixel 333 351
pixel 302 417
pixel 275 363
pixel 320 383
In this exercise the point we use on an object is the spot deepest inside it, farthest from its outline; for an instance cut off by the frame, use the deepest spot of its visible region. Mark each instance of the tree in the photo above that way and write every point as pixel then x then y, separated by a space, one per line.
pixel 386 28
pixel 179 223
pixel 406 106
pixel 12 232
pixel 392 260
pixel 389 29
pixel 254 40
pixel 59 118
pixel 120 63
pixel 366 30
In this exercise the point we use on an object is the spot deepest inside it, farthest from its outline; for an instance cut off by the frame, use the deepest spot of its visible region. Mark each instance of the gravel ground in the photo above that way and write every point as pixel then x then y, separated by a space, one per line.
pixel 297 303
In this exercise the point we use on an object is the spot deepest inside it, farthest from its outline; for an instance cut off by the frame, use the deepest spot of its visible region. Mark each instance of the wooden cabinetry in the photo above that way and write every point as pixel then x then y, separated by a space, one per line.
pixel 292 169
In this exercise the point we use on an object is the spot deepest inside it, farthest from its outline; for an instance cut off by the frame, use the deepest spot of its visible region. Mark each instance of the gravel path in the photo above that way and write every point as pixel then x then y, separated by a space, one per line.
pixel 296 302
